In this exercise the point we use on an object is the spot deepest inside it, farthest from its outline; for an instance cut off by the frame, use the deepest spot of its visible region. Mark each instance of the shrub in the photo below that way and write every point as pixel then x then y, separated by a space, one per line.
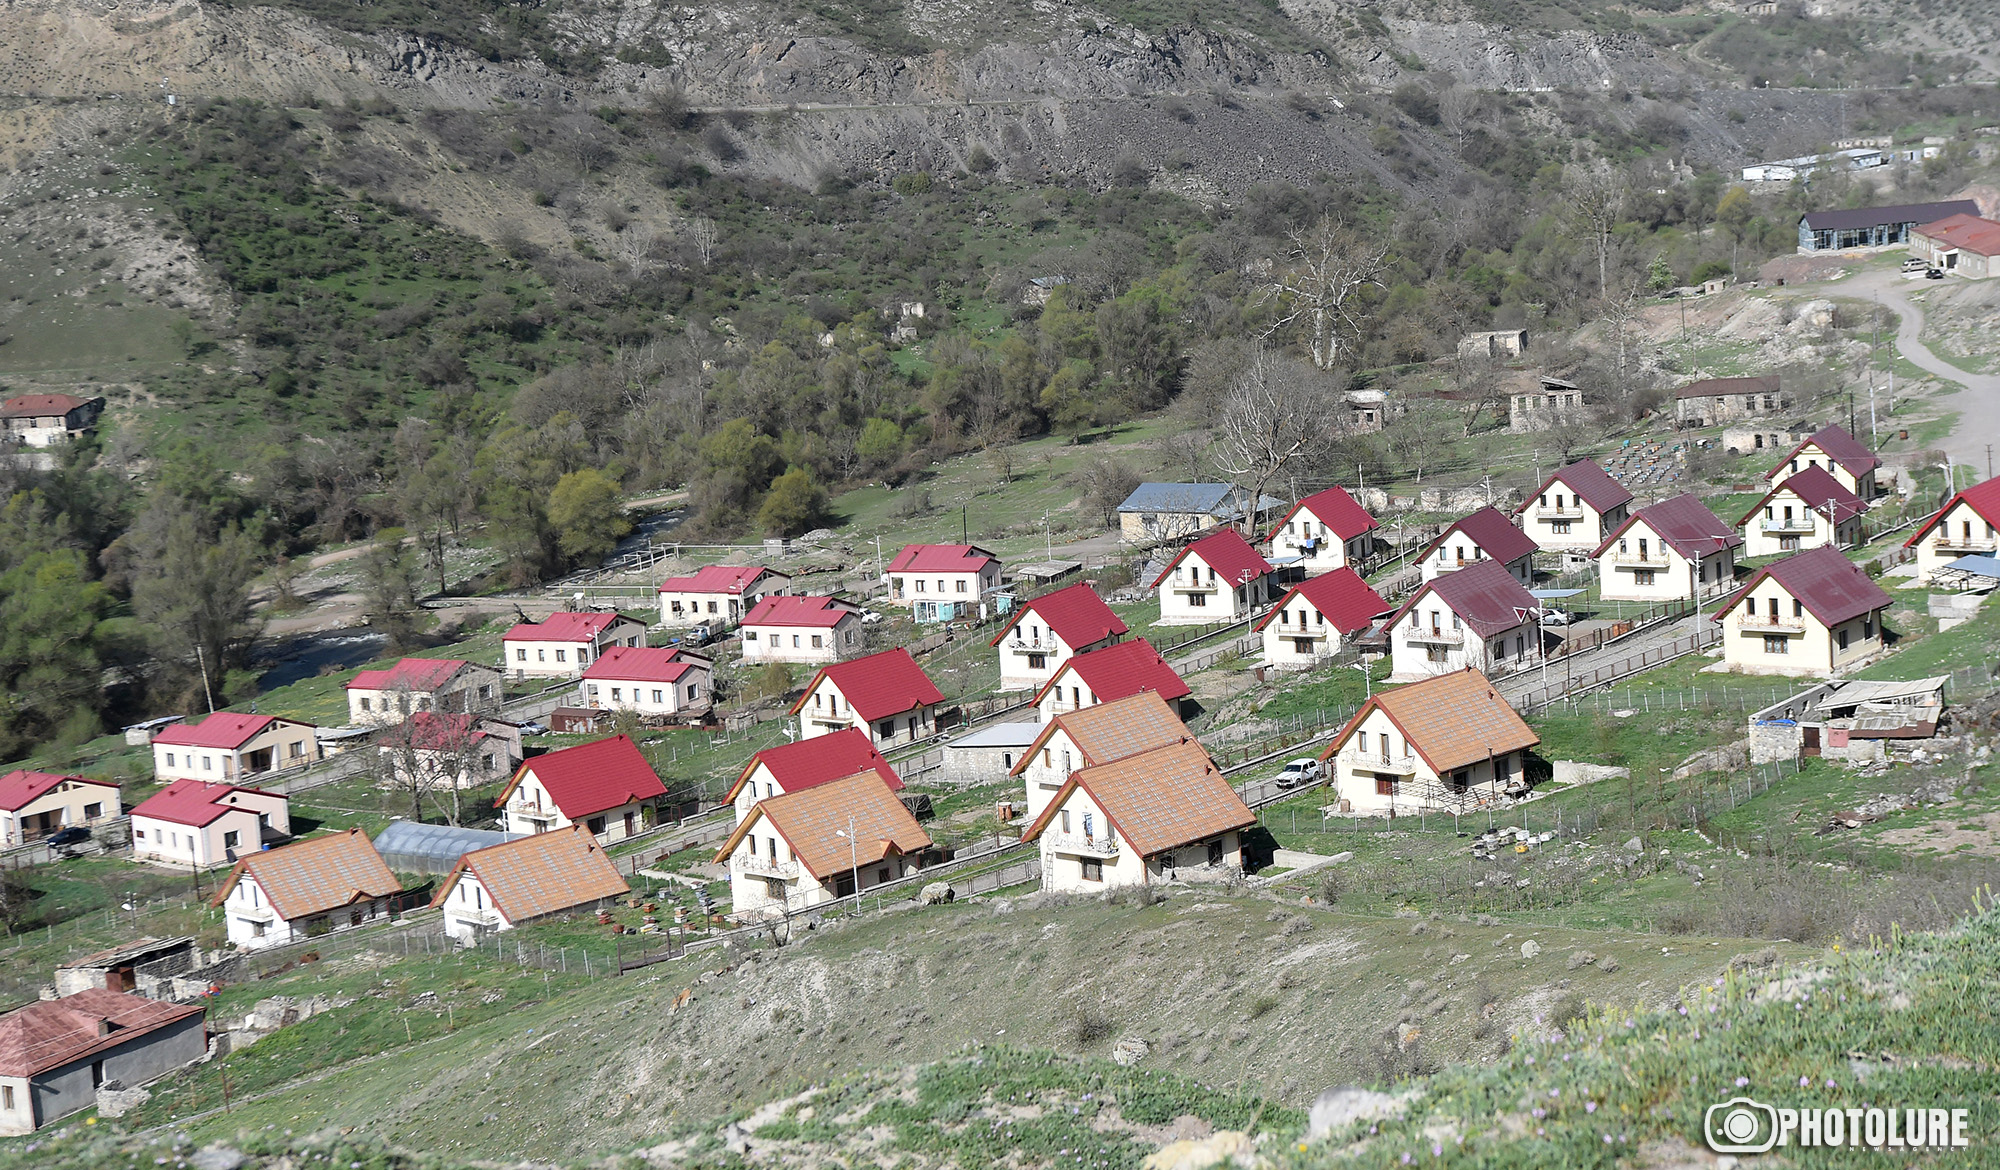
pixel 912 183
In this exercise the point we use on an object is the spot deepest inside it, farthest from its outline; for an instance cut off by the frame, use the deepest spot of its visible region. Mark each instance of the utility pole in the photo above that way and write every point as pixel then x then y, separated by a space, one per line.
pixel 1989 461
pixel 202 658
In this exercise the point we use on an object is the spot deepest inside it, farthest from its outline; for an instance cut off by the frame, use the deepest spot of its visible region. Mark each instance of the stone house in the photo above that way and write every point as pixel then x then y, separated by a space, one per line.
pixel 1964 245
pixel 1165 512
pixel 47 420
pixel 55 1054
pixel 1553 402
pixel 1713 402
pixel 435 751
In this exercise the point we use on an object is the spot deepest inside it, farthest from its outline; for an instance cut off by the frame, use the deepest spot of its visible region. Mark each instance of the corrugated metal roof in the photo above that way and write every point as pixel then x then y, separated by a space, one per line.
pixel 942 558
pixel 1342 515
pixel 587 779
pixel 1967 232
pixel 1451 720
pixel 223 729
pixel 41 405
pixel 50 1033
pixel 1347 601
pixel 1225 551
pixel 1868 217
pixel 1839 446
pixel 1490 529
pixel 416 674
pixel 194 802
pixel 1683 523
pixel 20 786
pixel 1815 488
pixel 818 613
pixel 1829 585
pixel 878 686
pixel 566 626
pixel 806 762
pixel 1589 482
pixel 730 580
pixel 1076 613
pixel 1484 595
pixel 639 664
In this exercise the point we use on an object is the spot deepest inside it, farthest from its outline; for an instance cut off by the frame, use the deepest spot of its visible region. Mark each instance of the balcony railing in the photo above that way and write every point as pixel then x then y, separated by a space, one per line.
pixel 1768 624
pixel 1967 543
pixel 1434 636
pixel 1561 512
pixel 486 917
pixel 1076 844
pixel 767 867
pixel 1032 646
pixel 532 812
pixel 1195 587
pixel 1645 557
pixel 1403 765
pixel 1800 524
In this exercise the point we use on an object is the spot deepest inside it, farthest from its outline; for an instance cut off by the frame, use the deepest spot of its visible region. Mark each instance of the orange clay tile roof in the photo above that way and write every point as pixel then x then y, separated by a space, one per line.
pixel 1112 730
pixel 314 876
pixel 1451 720
pixel 1158 800
pixel 807 820
pixel 540 874
pixel 51 1033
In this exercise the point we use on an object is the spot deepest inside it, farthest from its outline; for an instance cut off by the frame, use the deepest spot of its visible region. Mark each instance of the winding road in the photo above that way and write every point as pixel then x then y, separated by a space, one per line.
pixel 1978 404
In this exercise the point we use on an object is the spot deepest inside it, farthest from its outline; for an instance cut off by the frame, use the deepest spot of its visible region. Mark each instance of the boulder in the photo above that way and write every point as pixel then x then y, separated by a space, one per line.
pixel 1530 949
pixel 1231 1146
pixel 938 894
pixel 1130 1051
pixel 1336 1109
pixel 217 1158
pixel 113 1102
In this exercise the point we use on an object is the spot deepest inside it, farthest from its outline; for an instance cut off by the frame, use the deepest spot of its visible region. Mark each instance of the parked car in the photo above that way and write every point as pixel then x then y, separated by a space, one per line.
pixel 869 617
pixel 1934 274
pixel 533 728
pixel 1915 263
pixel 1300 771
pixel 68 836
pixel 1551 616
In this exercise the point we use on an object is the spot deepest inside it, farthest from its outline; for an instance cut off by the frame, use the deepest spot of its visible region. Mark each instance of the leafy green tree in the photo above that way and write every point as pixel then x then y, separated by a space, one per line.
pixel 191 591
pixel 796 503
pixel 588 518
pixel 51 625
pixel 880 444
pixel 1659 275
pixel 389 578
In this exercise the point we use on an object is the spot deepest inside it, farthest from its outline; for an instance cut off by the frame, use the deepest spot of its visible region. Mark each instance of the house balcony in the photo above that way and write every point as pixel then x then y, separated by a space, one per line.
pixel 1763 623
pixel 1640 558
pixel 769 867
pixel 1402 765
pixel 1798 525
pixel 255 913
pixel 1195 587
pixel 1566 512
pixel 532 812
pixel 1078 845
pixel 1433 636
pixel 1966 544
pixel 1032 646
pixel 486 917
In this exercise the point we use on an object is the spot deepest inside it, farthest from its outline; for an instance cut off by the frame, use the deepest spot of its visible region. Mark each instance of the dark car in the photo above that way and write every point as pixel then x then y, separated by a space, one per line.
pixel 68 836
pixel 1934 274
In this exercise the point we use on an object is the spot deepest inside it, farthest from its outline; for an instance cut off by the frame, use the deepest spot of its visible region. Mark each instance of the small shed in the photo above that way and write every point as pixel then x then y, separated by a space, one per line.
pixel 413 847
pixel 986 756
pixel 579 720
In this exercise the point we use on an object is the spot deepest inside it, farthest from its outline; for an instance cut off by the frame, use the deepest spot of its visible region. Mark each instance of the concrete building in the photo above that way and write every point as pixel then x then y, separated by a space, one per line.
pixel 1218 578
pixel 1165 512
pixel 941 582
pixel 1094 735
pixel 833 840
pixel 1478 618
pixel 384 697
pixel 1553 402
pixel 808 630
pixel 1105 676
pixel 1803 512
pixel 1846 720
pixel 1967 525
pixel 56 1053
pixel 565 643
pixel 504 886
pixel 1045 633
pixel 1311 621
pixel 306 889
pixel 1574 510
pixel 1325 531
pixel 606 786
pixel 1163 815
pixel 718 595
pixel 232 748
pixel 1786 170
pixel 1671 550
pixel 649 680
pixel 1452 743
pixel 886 695
pixel 1486 535
pixel 803 763
pixel 1494 344
pixel 1874 227
pixel 1815 613
pixel 47 420
pixel 1831 447
pixel 35 804
pixel 987 754
pixel 1714 402
pixel 1963 245
pixel 196 825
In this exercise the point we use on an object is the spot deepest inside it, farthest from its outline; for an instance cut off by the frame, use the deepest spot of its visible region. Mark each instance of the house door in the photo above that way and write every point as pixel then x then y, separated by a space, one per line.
pixel 1811 742
pixel 631 823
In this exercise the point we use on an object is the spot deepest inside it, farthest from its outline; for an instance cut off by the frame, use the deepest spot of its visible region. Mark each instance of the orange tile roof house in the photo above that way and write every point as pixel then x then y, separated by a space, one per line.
pixel 1802 512
pixel 563 644
pixel 1486 535
pixel 1574 509
pixel 1967 525
pixel 940 582
pixel 306 889
pixel 383 697
pixel 1325 531
pixel 1218 578
pixel 1831 447
pixel 35 804
pixel 887 695
pixel 503 886
pixel 233 747
pixel 1451 742
pixel 54 1053
pixel 1050 630
pixel 1479 617
pixel 1816 613
pixel 1156 816
pixel 196 825
pixel 718 594
pixel 1312 620
pixel 801 629
pixel 1962 244
pixel 606 786
pixel 1116 672
pixel 1671 550
pixel 1095 735
pixel 806 848
pixel 803 763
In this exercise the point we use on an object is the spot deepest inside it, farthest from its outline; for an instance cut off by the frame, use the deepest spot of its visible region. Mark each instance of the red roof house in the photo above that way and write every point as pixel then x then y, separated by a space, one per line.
pixel 887 692
pixel 1309 622
pixel 93 1034
pixel 1816 612
pixel 413 674
pixel 659 664
pixel 1116 672
pixel 724 580
pixel 226 730
pixel 1485 535
pixel 803 763
pixel 606 786
pixel 565 626
pixel 19 787
pixel 1684 524
pixel 1836 450
pixel 191 802
pixel 1046 632
pixel 1587 482
pixel 1326 528
pixel 41 405
pixel 718 593
pixel 942 558
pixel 1427 636
pixel 34 804
pixel 1216 578
pixel 191 823
pixel 1967 525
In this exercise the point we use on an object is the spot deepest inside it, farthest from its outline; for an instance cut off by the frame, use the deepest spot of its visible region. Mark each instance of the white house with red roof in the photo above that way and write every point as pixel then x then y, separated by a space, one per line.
pixel 189 823
pixel 1311 620
pixel 1486 535
pixel 940 582
pixel 45 420
pixel 1831 447
pixel 1115 672
pixel 887 695
pixel 35 804
pixel 565 643
pixel 718 594
pixel 1574 509
pixel 1671 550
pixel 606 786
pixel 1480 617
pixel 1218 578
pixel 649 680
pixel 801 629
pixel 1967 525
pixel 1803 512
pixel 799 765
pixel 1325 531
pixel 382 697
pixel 1050 630
pixel 1816 613
pixel 231 747
pixel 435 751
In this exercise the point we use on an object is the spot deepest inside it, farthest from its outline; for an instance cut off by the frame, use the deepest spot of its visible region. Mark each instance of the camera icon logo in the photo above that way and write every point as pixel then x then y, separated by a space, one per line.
pixel 1740 1126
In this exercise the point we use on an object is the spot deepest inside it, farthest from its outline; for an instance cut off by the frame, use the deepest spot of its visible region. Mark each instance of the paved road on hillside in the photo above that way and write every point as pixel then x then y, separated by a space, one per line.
pixel 1978 404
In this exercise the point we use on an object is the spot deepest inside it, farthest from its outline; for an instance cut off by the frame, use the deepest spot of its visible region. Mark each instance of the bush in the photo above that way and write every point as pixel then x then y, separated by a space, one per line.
pixel 1083 1025
pixel 912 183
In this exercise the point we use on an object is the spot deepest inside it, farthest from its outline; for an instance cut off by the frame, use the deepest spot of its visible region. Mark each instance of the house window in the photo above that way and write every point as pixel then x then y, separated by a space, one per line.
pixel 207 763
pixel 231 839
pixel 848 637
pixel 596 825
pixel 795 641
pixel 1843 639
pixel 1093 869
pixel 711 607
pixel 486 692
pixel 694 689
pixel 562 656
pixel 816 641
pixel 658 696
pixel 256 930
pixel 1385 785
pixel 170 759
pixel 888 728
pixel 521 655
pixel 1642 576
pixel 617 694
pixel 1038 661
pixel 1197 600
pixel 1560 527
pixel 1435 654
pixel 1867 630
pixel 92 811
pixel 367 704
pixel 541 655
pixel 1777 644
pixel 7 1097
pixel 961 586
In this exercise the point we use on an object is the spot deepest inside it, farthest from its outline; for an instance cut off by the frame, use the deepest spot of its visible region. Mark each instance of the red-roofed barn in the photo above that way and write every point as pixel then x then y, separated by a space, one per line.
pixel 566 642
pixel 1309 623
pixel 718 594
pixel 606 786
pixel 382 697
pixel 1105 676
pixel 1218 578
pixel 1051 629
pixel 1325 531
pixel 887 694
pixel 232 747
pixel 1815 613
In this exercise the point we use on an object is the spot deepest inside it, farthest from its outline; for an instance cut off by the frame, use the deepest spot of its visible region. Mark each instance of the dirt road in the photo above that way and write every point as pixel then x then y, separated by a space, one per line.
pixel 1978 404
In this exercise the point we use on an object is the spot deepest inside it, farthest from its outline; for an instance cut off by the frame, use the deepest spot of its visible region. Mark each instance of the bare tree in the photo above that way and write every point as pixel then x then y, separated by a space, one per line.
pixel 1595 200
pixel 702 233
pixel 435 756
pixel 1420 435
pixel 1318 289
pixel 1278 412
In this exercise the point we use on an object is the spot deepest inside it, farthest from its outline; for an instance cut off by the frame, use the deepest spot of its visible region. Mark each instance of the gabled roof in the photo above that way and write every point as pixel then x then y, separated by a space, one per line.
pixel 1334 508
pixel 1966 232
pixel 818 613
pixel 1076 614
pixel 539 874
pixel 589 778
pixel 1868 217
pixel 659 664
pixel 1684 524
pixel 1831 587
pixel 1452 720
pixel 1589 482
pixel 1817 489
pixel 730 580
pixel 1484 595
pixel 42 405
pixel 942 558
pixel 416 674
pixel 224 729
pixel 441 731
pixel 1346 600
pixel 1157 800
pixel 19 787
pixel 1120 671
pixel 1224 551
pixel 1221 501
pixel 563 626
pixel 197 803
pixel 1982 498
pixel 1490 529
pixel 814 823
pixel 316 875
pixel 50 1033
pixel 1110 731
pixel 1839 446
pixel 877 686
pixel 803 763
pixel 1712 387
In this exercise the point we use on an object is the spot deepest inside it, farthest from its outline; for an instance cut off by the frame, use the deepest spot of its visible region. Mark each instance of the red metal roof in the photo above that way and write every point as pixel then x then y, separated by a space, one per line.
pixel 806 762
pixel 194 802
pixel 639 664
pixel 585 780
pixel 877 686
pixel 1967 232
pixel 41 405
pixel 726 579
pixel 1983 498
pixel 566 626
pixel 19 787
pixel 1832 587
pixel 1484 595
pixel 225 729
pixel 819 613
pixel 1120 671
pixel 1224 551
pixel 1590 483
pixel 1077 615
pixel 1684 524
pixel 1334 508
pixel 942 558
pixel 1817 488
pixel 416 674
pixel 1346 600
pixel 1839 446
pixel 50 1033
pixel 1490 529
